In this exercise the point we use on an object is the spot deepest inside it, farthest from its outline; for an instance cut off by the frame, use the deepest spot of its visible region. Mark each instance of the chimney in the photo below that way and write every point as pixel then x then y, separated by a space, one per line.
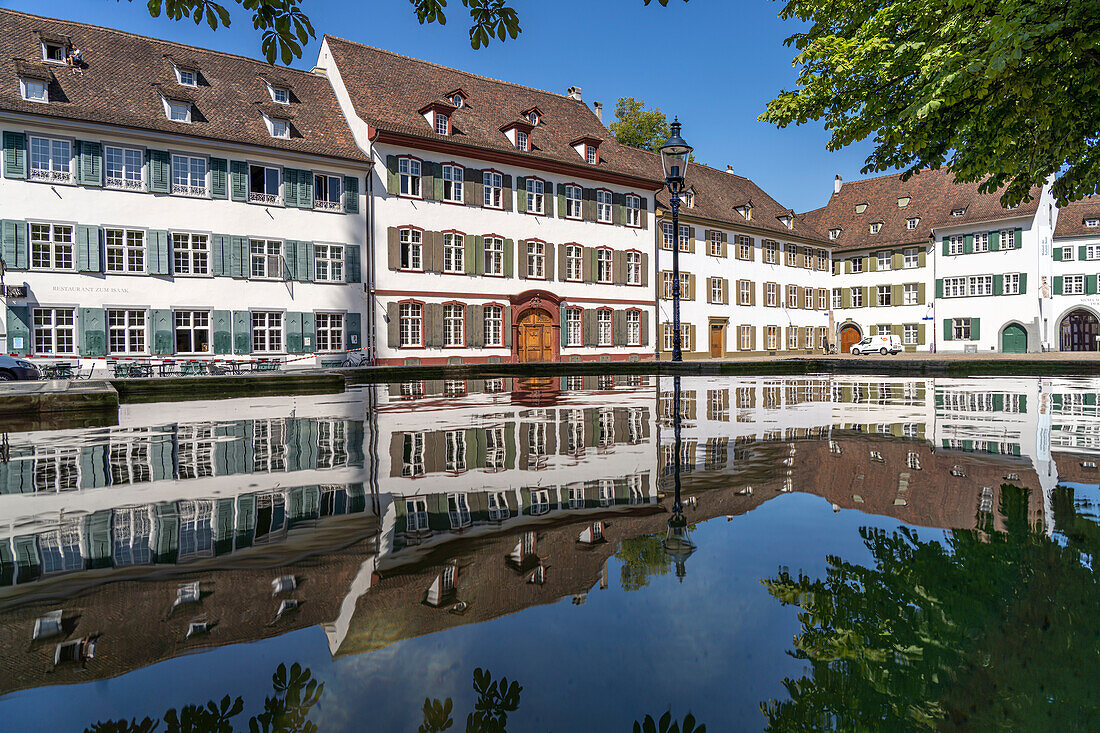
pixel 597 107
pixel 837 183
pixel 729 168
pixel 574 93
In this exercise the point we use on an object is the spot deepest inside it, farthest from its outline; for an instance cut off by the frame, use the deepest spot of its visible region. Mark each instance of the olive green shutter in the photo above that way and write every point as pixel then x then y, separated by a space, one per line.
pixel 475 326
pixel 290 187
pixel 523 251
pixel 219 178
pixel 87 248
pixel 506 191
pixel 550 260
pixel 588 205
pixel 975 329
pixel 845 298
pixel 897 261
pixel 618 268
pixel 89 163
pixel 645 269
pixel 644 327
pixel 922 257
pixel 508 326
pixel 15 154
pixel 618 328
pixel 560 196
pixel 589 272
pixel 548 198
pixel 897 294
pixel 616 209
pixel 920 294
pixel 19 327
pixel 159 166
pixel 13 235
pixel 433 325
pixel 242 332
pixel 238 180
pixel 521 194
pixel 158 260
pixel 1023 283
pixel 948 329
pixel 391 174
pixel 351 194
pixel 428 176
pixel 163 338
pixel 1057 284
pixel 589 324
pixel 93 332
pixel 223 332
pixel 472 193
pixel 479 255
pixel 393 327
pixel 509 257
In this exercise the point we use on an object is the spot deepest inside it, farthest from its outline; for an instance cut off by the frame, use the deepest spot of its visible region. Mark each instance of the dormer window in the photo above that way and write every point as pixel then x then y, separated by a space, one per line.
pixel 861 207
pixel 442 123
pixel 1010 207
pixel 280 95
pixel 1092 223
pixel 590 154
pixel 34 90
pixel 689 199
pixel 958 212
pixel 187 77
pixel 834 233
pixel 177 110
pixel 903 202
pixel 911 223
pixel 458 100
pixel 521 140
pixel 53 52
pixel 875 227
pixel 787 221
pixel 533 117
pixel 280 128
pixel 745 211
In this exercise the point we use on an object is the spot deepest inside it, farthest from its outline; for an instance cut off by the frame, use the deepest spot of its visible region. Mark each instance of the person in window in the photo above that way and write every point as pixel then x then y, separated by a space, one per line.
pixel 75 58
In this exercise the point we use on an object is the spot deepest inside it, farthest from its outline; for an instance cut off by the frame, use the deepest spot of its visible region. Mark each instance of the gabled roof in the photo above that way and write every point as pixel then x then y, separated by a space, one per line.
pixel 1071 218
pixel 933 193
pixel 387 89
pixel 125 75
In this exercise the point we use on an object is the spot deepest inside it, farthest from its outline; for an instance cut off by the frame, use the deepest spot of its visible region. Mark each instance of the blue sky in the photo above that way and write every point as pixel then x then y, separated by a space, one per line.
pixel 714 63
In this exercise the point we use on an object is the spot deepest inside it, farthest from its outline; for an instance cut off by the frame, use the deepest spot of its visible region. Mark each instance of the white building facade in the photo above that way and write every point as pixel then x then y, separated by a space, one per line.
pixel 1074 304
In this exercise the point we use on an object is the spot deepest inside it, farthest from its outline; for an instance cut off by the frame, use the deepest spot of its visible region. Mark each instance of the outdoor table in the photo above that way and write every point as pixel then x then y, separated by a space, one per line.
pixel 266 365
pixel 167 369
pixel 191 368
pixel 61 370
pixel 140 370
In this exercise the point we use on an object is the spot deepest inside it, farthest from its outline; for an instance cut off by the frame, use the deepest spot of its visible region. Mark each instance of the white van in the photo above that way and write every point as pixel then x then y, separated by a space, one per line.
pixel 882 344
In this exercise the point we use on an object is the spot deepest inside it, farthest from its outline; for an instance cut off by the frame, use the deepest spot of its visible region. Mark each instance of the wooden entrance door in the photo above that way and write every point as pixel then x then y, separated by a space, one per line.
pixel 1014 339
pixel 717 330
pixel 848 335
pixel 1079 331
pixel 534 334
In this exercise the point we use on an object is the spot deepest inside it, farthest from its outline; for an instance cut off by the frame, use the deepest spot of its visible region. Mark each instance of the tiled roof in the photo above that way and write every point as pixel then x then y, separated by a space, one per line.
pixel 125 75
pixel 1071 218
pixel 932 193
pixel 388 90
pixel 718 194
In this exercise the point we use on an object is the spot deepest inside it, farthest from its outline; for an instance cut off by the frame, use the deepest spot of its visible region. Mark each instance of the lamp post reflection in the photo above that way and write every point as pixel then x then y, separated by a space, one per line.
pixel 678 544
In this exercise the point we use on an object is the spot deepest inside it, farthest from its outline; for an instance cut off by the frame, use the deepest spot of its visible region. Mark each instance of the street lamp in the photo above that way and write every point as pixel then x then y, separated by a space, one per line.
pixel 674 158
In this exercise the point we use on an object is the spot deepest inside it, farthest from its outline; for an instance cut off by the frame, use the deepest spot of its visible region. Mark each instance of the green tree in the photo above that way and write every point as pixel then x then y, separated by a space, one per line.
pixel 637 126
pixel 991 630
pixel 1005 92
pixel 286 28
pixel 642 558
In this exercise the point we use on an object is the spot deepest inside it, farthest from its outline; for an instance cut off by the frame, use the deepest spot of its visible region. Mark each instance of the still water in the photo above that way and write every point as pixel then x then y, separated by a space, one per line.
pixel 871 554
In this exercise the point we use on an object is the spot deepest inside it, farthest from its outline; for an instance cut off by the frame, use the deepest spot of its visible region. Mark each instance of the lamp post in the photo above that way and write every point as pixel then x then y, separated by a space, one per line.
pixel 674 158
pixel 678 544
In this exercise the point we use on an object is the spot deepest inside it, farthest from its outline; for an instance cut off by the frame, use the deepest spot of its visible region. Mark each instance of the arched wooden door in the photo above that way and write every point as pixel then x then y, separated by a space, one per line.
pixel 1014 339
pixel 534 336
pixel 1079 329
pixel 849 335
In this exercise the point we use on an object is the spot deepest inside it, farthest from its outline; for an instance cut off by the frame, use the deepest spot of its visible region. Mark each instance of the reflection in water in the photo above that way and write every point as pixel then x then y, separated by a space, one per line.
pixel 495 699
pixel 416 517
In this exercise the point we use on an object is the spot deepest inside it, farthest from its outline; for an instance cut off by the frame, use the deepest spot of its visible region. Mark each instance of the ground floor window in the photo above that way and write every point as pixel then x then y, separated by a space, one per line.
pixel 909 335
pixel 54 330
pixel 772 337
pixel 410 322
pixel 746 337
pixel 192 332
pixel 634 328
pixel 961 329
pixel 792 338
pixel 494 325
pixel 267 331
pixel 882 330
pixel 573 327
pixel 453 325
pixel 685 337
pixel 330 331
pixel 603 327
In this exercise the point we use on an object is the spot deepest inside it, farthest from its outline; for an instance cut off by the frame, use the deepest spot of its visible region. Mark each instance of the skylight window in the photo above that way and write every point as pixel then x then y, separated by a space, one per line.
pixel 958 212
pixel 187 77
pixel 903 202
pixel 911 223
pixel 1092 223
pixel 834 233
pixel 280 95
pixel 34 90
pixel 875 227
pixel 860 208
pixel 178 111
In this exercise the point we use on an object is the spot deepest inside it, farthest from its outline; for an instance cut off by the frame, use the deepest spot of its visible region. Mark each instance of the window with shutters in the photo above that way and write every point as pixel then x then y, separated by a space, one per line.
pixel 912 259
pixel 267 331
pixel 54 330
pixel 494 256
pixel 125 331
pixel 744 292
pixel 632 208
pixel 52 247
pixel 771 252
pixel 960 328
pixel 454 253
pixel 192 331
pixel 574 262
pixel 328 192
pixel 714 243
pixel 51 159
pixel 745 333
pixel 857 264
pixel 536 195
pixel 715 290
pixel 494 325
pixel 1067 254
pixel 823 259
pixel 408 175
pixel 410 242
pixel 492 189
pixel 685 237
pixel 667 336
pixel 412 464
pixel 1012 283
pixel 885 261
pixel 452 183
pixel 808 336
pixel 955 244
pixel 124 168
pixel 857 297
pixel 792 296
pixel 909 334
pixel 189 176
pixel 410 324
pixel 1092 252
pixel 574 327
pixel 126 250
pixel 330 331
pixel 266 257
pixel 909 294
pixel 792 338
pixel 744 247
pixel 536 260
pixel 666 235
pixel 883 293
pixel 980 285
pixel 573 195
pixel 981 242
pixel 822 299
pixel 603 206
pixel 454 325
pixel 603 327
pixel 792 255
pixel 603 265
pixel 836 298
pixel 263 184
pixel 771 338
pixel 954 287
pixel 34 90
pixel 454 457
pixel 328 263
pixel 771 295
pixel 808 298
pixel 634 328
pixel 633 268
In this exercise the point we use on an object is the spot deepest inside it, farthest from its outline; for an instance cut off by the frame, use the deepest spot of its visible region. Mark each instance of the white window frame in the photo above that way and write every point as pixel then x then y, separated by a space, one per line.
pixel 574 263
pixel 187 77
pixel 133 330
pixel 494 256
pixel 265 196
pixel 454 325
pixel 59 168
pixel 190 320
pixel 329 331
pixel 857 297
pixel 328 262
pixel 494 325
pixel 410 243
pixel 911 257
pixel 454 253
pixel 265 259
pixel 522 142
pixel 328 192
pixel 980 285
pixel 131 160
pixel 836 298
pixel 955 244
pixel 909 334
pixel 633 328
pixel 604 204
pixel 279 128
pixel 574 327
pixel 954 287
pixel 1011 284
pixel 910 294
pixel 187 165
pixel 771 252
pixel 58 330
pixel 857 264
pixel 130 246
pixel 59 245
pixel 536 260
pixel 178 110
pixel 1073 285
pixel 604 327
pixel 191 254
pixel 410 325
pixel 452 183
pixel 442 124
pixel 267 332
pixel 492 183
pixel 535 189
pixel 408 177
pixel 27 86
pixel 574 199
pixel 633 268
pixel 885 261
pixel 47 45
pixel 632 210
pixel 981 241
pixel 604 265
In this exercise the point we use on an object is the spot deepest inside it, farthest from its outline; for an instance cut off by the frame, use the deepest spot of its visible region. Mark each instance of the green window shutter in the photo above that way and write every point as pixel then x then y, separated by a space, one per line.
pixel 16 249
pixel 306 258
pixel 238 256
pixel 290 259
pixel 163 338
pixel 994 240
pixel 975 328
pixel 223 332
pixel 897 294
pixel 968 244
pixel 353 323
pixel 848 266
pixel 89 168
pixel 293 332
pixel 352 263
pixel 617 216
pixel 391 175
pixel 939 287
pixel 998 285
pixel 946 246
pixel 309 333
pixel 870 264
pixel 1057 254
pixel 1090 285
pixel 19 327
pixel 920 294
pixel 1018 237
pixel 845 298
pixel 1082 253
pixel 948 329
pixel 427 180
pixel 1057 284
pixel 159 257
pixel 618 328
pixel 290 187
pixel 509 256
pixel 561 200
pixel 238 180
pixel 506 193
pixel 473 193
pixel 351 194
pixel 305 189
pixel 1023 283
pixel 479 255
pixel 93 333
pixel 219 252
pixel 920 334
pixel 508 326
pixel 87 248
pixel 922 257
pixel 548 198
pixel 242 332
pixel 219 178
pixel 469 247
pixel 15 154
pixel 521 194
pixel 159 168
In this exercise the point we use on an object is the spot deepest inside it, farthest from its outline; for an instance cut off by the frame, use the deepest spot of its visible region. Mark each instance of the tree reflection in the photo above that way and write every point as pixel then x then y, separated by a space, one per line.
pixel 990 630
pixel 642 558
pixel 287 711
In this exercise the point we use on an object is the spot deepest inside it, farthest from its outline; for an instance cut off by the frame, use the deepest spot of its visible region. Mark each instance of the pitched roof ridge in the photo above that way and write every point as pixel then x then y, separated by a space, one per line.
pixel 447 68
pixel 162 41
pixel 856 181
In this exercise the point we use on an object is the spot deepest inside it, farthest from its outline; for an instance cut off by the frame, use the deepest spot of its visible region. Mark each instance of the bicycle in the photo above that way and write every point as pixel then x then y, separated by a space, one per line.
pixel 355 359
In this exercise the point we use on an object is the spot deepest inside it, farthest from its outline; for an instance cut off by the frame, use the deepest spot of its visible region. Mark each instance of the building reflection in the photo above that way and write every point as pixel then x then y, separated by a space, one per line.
pixel 399 510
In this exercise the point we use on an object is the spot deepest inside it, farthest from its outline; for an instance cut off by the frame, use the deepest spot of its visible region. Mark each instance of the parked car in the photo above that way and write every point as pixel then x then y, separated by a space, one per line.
pixel 12 369
pixel 881 344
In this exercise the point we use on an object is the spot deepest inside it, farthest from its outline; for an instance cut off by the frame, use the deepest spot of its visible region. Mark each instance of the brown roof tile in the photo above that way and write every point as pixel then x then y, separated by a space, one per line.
pixel 1071 218
pixel 388 90
pixel 125 74
pixel 933 193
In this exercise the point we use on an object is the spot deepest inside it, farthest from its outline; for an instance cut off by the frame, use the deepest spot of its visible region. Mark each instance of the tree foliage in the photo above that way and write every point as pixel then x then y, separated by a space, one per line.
pixel 495 699
pixel 1005 92
pixel 637 126
pixel 991 630
pixel 642 558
